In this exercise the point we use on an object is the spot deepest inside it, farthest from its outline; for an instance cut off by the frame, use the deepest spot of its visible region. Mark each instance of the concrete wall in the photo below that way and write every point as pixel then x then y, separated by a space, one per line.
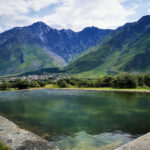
pixel 141 143
pixel 18 139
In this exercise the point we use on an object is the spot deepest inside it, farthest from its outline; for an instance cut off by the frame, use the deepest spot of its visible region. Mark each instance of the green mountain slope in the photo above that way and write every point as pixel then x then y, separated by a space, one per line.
pixel 127 49
pixel 24 58
pixel 139 53
pixel 38 46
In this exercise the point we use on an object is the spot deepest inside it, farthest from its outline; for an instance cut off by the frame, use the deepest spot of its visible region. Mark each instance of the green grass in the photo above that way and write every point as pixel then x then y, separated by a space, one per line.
pixel 52 86
pixel 69 87
pixel 3 147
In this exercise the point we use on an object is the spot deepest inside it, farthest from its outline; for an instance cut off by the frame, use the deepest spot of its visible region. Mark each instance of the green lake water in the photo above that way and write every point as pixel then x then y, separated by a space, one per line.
pixel 79 120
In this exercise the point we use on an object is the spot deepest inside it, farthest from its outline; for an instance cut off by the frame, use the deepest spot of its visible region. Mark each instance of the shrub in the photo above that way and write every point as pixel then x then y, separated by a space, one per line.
pixel 42 83
pixel 22 84
pixel 84 83
pixel 147 79
pixel 107 81
pixel 140 78
pixel 98 82
pixel 34 84
pixel 4 85
pixel 125 81
pixel 62 83
pixel 71 82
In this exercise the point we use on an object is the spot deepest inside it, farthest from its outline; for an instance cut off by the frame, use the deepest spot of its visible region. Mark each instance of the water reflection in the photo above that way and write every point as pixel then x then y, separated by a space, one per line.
pixel 78 120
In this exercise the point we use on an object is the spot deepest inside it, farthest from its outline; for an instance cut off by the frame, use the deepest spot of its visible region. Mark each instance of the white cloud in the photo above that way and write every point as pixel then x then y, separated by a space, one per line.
pixel 9 7
pixel 15 12
pixel 148 11
pixel 1 29
pixel 77 14
pixel 74 14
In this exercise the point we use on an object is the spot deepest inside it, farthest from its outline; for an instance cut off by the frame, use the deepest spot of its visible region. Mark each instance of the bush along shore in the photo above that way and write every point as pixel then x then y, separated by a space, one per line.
pixel 110 82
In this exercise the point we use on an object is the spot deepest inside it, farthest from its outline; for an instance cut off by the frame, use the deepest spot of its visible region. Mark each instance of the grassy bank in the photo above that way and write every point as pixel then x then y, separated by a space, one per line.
pixel 108 89
pixel 140 90
pixel 3 147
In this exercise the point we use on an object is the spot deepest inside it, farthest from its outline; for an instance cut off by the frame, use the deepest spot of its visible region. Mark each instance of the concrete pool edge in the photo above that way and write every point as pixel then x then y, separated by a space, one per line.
pixel 17 139
pixel 141 143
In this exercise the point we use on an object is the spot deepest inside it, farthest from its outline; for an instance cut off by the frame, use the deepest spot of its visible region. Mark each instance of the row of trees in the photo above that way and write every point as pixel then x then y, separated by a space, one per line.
pixel 124 80
pixel 21 84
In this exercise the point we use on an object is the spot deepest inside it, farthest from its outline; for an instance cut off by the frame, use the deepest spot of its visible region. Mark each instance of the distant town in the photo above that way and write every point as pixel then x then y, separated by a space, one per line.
pixel 52 77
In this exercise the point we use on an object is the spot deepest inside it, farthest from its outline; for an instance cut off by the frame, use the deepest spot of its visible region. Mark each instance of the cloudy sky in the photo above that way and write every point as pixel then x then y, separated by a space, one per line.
pixel 74 14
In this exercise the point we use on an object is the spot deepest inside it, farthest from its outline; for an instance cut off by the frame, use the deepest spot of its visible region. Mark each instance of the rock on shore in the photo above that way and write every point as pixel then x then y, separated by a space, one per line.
pixel 18 139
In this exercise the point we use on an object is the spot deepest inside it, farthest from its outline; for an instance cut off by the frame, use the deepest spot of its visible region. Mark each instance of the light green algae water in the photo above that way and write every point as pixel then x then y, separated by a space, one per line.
pixel 79 120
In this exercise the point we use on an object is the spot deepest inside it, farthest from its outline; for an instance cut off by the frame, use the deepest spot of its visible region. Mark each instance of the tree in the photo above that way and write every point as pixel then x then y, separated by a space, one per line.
pixel 62 83
pixel 140 80
pixel 42 83
pixel 4 85
pixel 147 79
pixel 125 80
pixel 107 81
pixel 98 82
pixel 22 84
pixel 34 84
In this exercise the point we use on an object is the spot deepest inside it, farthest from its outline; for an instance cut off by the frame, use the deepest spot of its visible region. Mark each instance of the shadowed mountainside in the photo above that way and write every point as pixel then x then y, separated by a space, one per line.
pixel 38 46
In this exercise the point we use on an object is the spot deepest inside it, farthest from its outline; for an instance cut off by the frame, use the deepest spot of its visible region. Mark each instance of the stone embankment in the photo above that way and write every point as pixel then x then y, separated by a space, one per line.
pixel 18 139
pixel 141 143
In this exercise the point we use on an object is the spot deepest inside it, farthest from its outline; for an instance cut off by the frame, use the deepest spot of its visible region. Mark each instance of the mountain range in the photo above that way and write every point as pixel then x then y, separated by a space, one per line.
pixel 38 46
pixel 126 49
pixel 90 51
